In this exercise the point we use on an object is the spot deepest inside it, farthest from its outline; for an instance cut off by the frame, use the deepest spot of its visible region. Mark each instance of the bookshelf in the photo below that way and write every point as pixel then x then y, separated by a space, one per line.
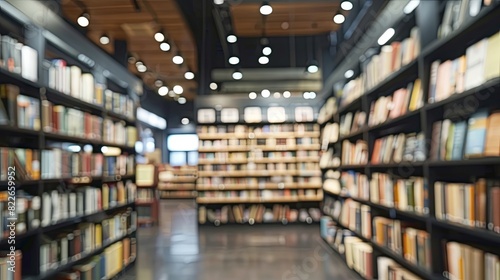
pixel 417 187
pixel 74 175
pixel 177 182
pixel 147 200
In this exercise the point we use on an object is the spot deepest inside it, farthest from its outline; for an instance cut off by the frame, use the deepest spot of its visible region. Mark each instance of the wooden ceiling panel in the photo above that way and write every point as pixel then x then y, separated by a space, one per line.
pixel 304 18
pixel 120 20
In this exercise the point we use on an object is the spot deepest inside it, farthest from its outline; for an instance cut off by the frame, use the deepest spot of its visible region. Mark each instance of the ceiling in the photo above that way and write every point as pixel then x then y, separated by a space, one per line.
pixel 136 22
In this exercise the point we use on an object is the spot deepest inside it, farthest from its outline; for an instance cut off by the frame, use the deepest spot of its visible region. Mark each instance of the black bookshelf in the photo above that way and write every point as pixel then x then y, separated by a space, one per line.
pixel 464 170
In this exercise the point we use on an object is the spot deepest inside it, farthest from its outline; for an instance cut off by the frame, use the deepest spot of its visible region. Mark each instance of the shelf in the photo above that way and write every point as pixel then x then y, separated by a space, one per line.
pixel 217 223
pixel 30 88
pixel 222 200
pixel 466 162
pixel 121 146
pixel 408 117
pixel 479 233
pixel 16 131
pixel 221 136
pixel 387 82
pixel 28 234
pixel 144 203
pixel 223 149
pixel 120 117
pixel 274 160
pixel 221 161
pixel 354 105
pixel 60 98
pixel 403 164
pixel 73 139
pixel 354 134
pixel 52 273
pixel 268 186
pixel 351 166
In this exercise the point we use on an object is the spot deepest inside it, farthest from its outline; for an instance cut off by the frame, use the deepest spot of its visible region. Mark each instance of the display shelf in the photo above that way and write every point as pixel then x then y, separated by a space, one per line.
pixel 273 223
pixel 203 161
pixel 474 232
pixel 223 149
pixel 30 88
pixel 355 134
pixel 410 117
pixel 465 162
pixel 119 117
pixel 16 131
pixel 71 101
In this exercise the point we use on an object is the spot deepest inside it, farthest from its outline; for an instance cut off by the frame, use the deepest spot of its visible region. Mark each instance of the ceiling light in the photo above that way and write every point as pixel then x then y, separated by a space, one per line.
pixel 159 37
pixel 74 148
pixel 277 95
pixel 265 93
pixel 131 59
pixel 346 5
pixel 158 83
pixel 286 94
pixel 232 38
pixel 162 91
pixel 185 121
pixel 263 60
pixel 252 95
pixel 83 20
pixel 178 89
pixel 339 18
pixel 312 68
pixel 348 74
pixel 189 75
pixel 312 95
pixel 386 36
pixel 104 39
pixel 142 68
pixel 218 2
pixel 213 86
pixel 171 93
pixel 411 6
pixel 177 59
pixel 181 100
pixel 165 46
pixel 267 50
pixel 237 75
pixel 138 62
pixel 266 9
pixel 233 60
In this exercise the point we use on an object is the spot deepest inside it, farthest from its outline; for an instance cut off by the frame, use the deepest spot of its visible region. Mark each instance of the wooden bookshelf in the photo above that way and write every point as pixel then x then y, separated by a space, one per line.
pixel 177 182
pixel 420 120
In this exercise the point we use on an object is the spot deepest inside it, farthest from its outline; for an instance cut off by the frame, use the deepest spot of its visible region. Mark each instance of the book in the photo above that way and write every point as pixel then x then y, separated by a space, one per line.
pixel 476 134
pixel 492 144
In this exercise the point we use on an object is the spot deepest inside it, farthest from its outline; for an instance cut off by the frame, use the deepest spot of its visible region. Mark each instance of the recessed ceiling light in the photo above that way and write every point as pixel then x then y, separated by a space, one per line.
pixel 313 68
pixel 138 62
pixel 263 60
pixel 142 68
pixel 163 90
pixel 177 59
pixel 171 93
pixel 185 121
pixel 104 39
pixel 232 38
pixel 189 75
pixel 218 2
pixel 348 74
pixel 267 50
pixel 277 95
pixel 252 95
pixel 346 5
pixel 158 83
pixel 237 75
pixel 339 18
pixel 234 60
pixel 265 93
pixel 181 100
pixel 386 36
pixel 213 86
pixel 164 46
pixel 286 94
pixel 266 9
pixel 178 89
pixel 159 37
pixel 411 6
pixel 83 20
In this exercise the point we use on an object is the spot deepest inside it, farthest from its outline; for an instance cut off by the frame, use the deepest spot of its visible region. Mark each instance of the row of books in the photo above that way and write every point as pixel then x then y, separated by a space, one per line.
pixel 257 214
pixel 105 265
pixel 120 103
pixel 17 109
pixel 398 148
pixel 256 143
pixel 479 64
pixel 68 245
pixel 354 153
pixel 219 182
pixel 146 194
pixel 119 133
pixel 55 206
pixel 223 156
pixel 18 58
pixel 6 267
pixel 474 205
pixel 475 137
pixel 399 103
pixel 244 129
pixel 25 163
pixel 64 120
pixel 327 111
pixel 71 81
pixel 261 166
pixel 456 13
pixel 467 262
pixel 349 213
pixel 351 123
pixel 329 159
pixel 262 194
pixel 329 134
pixel 411 243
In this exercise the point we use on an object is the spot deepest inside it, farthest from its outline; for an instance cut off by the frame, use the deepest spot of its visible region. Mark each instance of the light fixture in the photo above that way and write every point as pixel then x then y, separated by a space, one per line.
pixel 277 95
pixel 177 59
pixel 142 68
pixel 74 148
pixel 163 90
pixel 252 95
pixel 237 75
pixel 266 9
pixel 185 121
pixel 411 6
pixel 165 46
pixel 218 2
pixel 309 95
pixel 178 89
pixel 348 74
pixel 233 60
pixel 171 93
pixel 263 60
pixel 131 59
pixel 189 75
pixel 346 5
pixel 83 20
pixel 88 148
pixel 286 94
pixel 312 67
pixel 213 86
pixel 232 38
pixel 104 39
pixel 159 37
pixel 267 50
pixel 386 36
pixel 339 18
pixel 138 62
pixel 182 100
pixel 265 93
pixel 158 83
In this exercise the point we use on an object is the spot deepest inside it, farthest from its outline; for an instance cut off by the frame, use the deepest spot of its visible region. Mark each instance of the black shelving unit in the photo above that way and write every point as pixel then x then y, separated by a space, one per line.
pixel 487 95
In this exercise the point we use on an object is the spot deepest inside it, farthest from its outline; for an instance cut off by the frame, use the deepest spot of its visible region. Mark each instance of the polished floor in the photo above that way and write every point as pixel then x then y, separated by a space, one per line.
pixel 178 250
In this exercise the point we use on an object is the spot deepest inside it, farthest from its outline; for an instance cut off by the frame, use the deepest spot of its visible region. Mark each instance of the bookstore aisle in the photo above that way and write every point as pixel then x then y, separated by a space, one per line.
pixel 178 250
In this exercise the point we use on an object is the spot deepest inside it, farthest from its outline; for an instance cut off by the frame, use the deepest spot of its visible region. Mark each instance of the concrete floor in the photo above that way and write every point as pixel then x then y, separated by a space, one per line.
pixel 177 250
